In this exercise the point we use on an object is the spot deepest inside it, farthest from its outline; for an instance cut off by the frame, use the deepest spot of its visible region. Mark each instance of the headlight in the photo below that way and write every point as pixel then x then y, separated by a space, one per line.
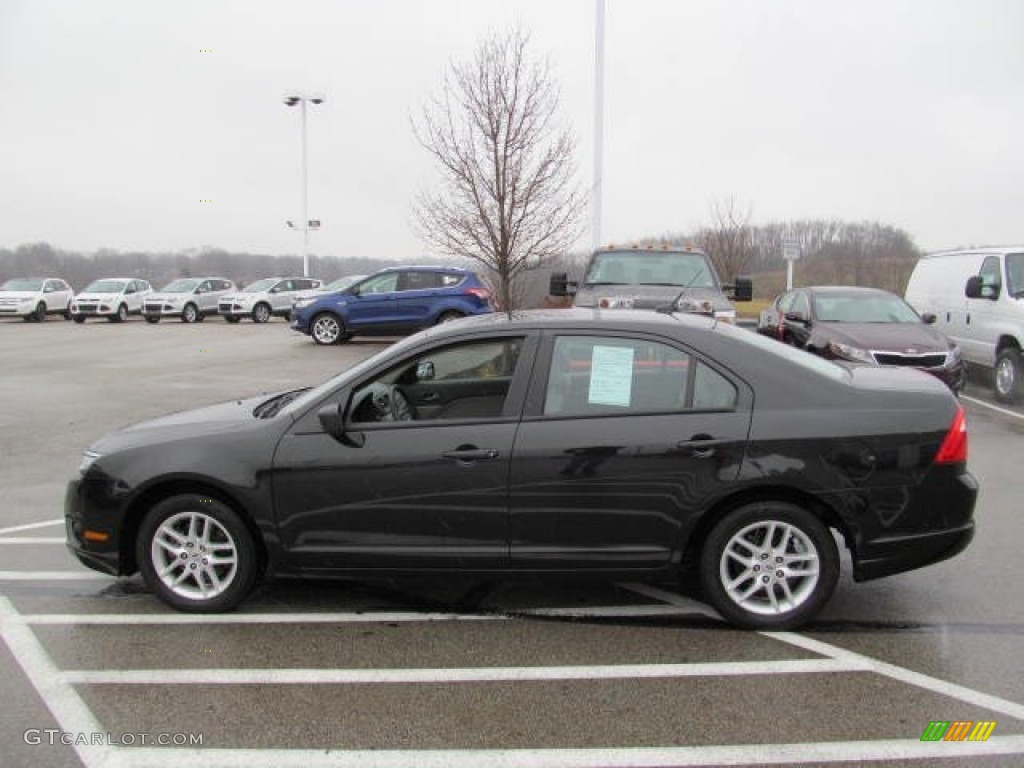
pixel 88 459
pixel 847 352
pixel 303 303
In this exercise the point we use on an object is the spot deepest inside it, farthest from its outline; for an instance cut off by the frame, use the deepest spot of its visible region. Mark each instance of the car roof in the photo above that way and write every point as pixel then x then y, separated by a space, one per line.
pixel 840 289
pixel 422 268
pixel 649 249
pixel 602 320
pixel 988 249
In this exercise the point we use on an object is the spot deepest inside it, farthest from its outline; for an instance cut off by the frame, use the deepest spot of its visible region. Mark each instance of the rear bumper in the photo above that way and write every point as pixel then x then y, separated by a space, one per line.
pixel 943 527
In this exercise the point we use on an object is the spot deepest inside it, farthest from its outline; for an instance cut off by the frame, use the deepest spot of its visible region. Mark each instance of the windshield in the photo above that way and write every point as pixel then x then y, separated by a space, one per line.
pixel 261 285
pixel 341 283
pixel 105 286
pixel 863 308
pixel 186 285
pixel 1015 274
pixel 678 268
pixel 22 284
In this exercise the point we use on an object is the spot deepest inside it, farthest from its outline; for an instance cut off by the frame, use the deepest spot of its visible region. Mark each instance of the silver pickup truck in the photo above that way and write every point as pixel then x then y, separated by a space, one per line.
pixel 678 279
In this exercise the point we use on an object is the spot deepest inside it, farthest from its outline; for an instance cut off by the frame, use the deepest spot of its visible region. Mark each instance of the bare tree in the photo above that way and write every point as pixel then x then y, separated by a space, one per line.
pixel 508 197
pixel 729 240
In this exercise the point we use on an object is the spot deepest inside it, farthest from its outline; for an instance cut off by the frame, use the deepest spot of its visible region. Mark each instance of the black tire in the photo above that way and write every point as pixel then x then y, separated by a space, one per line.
pixel 190 313
pixel 67 312
pixel 326 329
pixel 1006 378
pixel 171 543
pixel 122 314
pixel 232 318
pixel 775 594
pixel 261 313
pixel 78 319
pixel 447 317
pixel 152 318
pixel 40 314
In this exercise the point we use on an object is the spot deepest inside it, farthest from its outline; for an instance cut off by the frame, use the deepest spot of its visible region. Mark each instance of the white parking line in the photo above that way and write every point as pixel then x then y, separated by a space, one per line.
pixel 275 676
pixel 908 676
pixel 991 407
pixel 54 576
pixel 31 526
pixel 250 618
pixel 637 757
pixel 61 699
pixel 32 540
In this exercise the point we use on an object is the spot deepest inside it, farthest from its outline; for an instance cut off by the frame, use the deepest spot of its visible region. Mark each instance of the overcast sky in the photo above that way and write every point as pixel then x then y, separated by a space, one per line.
pixel 115 121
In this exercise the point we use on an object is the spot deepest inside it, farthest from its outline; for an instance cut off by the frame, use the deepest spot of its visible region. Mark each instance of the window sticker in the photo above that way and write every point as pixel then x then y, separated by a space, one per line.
pixel 611 376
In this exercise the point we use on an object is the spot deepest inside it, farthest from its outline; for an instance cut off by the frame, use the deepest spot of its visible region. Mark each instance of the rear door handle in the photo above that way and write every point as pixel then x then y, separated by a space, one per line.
pixel 701 446
pixel 469 455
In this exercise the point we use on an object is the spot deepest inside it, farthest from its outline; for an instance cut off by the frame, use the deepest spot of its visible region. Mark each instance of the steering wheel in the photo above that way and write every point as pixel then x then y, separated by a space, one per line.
pixel 401 408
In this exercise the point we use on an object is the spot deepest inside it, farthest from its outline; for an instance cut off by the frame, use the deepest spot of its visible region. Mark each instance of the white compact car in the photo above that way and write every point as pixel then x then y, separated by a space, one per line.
pixel 113 298
pixel 33 298
pixel 190 298
pixel 266 298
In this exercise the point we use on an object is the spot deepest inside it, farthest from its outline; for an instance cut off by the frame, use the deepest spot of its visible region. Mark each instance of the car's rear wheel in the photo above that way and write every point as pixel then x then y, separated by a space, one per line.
pixel 1008 376
pixel 261 313
pixel 196 554
pixel 326 329
pixel 189 314
pixel 769 565
pixel 447 317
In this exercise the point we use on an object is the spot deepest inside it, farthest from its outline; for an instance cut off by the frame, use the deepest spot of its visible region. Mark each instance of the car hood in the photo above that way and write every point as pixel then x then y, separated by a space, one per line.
pixel 165 296
pixel 650 296
pixel 96 296
pixel 242 296
pixel 18 294
pixel 216 419
pixel 909 338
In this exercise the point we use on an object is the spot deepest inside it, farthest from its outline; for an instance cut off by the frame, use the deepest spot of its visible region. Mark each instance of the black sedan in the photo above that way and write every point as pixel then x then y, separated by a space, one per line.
pixel 863 325
pixel 627 444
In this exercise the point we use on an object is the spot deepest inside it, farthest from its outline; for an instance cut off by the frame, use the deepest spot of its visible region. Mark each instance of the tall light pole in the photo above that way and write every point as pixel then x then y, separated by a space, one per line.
pixel 291 99
pixel 595 200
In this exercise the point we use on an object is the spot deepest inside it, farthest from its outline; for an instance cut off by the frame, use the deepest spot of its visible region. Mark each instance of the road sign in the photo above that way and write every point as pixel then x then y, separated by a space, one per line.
pixel 790 249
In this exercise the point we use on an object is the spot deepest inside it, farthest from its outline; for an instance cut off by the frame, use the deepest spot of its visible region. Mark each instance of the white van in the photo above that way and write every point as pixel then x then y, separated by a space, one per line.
pixel 977 297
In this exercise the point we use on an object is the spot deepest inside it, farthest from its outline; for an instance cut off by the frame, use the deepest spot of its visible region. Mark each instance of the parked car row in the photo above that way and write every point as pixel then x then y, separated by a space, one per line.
pixel 395 300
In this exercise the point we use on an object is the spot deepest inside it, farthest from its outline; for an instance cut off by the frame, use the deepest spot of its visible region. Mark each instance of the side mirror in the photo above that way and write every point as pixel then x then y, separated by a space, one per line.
pixel 973 288
pixel 332 419
pixel 742 289
pixel 561 285
pixel 928 318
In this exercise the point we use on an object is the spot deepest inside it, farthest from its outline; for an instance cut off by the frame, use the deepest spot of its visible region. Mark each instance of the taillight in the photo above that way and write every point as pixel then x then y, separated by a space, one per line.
pixel 954 446
pixel 481 293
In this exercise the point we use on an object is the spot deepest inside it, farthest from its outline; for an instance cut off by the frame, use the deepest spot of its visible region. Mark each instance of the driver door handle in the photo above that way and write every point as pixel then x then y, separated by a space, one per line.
pixel 466 455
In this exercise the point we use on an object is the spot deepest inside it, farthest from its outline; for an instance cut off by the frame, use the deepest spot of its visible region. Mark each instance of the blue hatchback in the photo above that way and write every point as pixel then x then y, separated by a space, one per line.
pixel 392 301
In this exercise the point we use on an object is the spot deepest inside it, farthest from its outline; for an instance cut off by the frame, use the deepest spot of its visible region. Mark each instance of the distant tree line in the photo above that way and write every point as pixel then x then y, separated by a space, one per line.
pixel 160 268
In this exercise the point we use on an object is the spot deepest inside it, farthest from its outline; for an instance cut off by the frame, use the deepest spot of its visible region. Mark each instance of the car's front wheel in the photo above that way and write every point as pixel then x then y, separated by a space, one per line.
pixel 189 314
pixel 122 314
pixel 326 329
pixel 78 319
pixel 769 565
pixel 261 313
pixel 196 554
pixel 232 318
pixel 152 319
pixel 40 314
pixel 1008 376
